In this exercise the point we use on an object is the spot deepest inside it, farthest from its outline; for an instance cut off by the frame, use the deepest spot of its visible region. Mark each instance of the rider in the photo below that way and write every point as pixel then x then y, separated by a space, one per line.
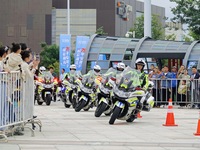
pixel 144 81
pixel 120 67
pixel 42 69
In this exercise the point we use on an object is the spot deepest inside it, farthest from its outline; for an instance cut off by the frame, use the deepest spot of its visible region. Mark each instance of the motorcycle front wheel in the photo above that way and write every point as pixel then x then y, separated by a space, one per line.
pixel 131 119
pixel 48 99
pixel 100 109
pixel 115 115
pixel 80 105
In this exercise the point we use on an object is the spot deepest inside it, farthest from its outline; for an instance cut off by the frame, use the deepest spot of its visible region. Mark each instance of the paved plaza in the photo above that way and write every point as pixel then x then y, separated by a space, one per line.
pixel 65 129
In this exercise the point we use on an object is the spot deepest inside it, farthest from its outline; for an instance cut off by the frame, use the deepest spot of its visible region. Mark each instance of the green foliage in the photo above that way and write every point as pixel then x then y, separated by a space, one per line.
pixel 187 38
pixel 171 37
pixel 157 28
pixel 50 56
pixel 72 57
pixel 56 68
pixel 101 31
pixel 187 12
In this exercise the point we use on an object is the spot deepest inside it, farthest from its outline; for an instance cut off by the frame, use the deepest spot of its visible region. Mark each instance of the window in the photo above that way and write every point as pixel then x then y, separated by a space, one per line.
pixel 104 57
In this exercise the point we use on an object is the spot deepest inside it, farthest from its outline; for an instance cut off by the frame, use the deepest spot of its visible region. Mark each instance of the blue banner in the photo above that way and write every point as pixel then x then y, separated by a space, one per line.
pixel 65 50
pixel 81 44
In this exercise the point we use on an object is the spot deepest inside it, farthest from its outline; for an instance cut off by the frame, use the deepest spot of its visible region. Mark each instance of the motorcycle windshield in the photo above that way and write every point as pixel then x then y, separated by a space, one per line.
pixel 88 80
pixel 47 77
pixel 129 80
pixel 110 73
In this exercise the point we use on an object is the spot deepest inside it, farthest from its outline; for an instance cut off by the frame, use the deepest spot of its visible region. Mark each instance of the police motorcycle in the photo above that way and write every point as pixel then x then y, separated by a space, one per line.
pixel 127 96
pixel 104 96
pixel 44 90
pixel 87 92
pixel 69 89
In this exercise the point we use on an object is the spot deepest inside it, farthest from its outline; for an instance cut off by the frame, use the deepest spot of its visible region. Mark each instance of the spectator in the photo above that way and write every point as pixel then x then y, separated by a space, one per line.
pixel 165 85
pixel 181 70
pixel 195 87
pixel 2 56
pixel 13 60
pixel 62 75
pixel 2 91
pixel 26 57
pixel 174 83
pixel 156 89
pixel 51 70
pixel 152 69
pixel 183 88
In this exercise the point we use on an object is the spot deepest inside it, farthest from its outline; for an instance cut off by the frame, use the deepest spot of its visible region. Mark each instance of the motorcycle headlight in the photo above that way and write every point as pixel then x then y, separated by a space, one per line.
pixel 48 86
pixel 86 90
pixel 104 90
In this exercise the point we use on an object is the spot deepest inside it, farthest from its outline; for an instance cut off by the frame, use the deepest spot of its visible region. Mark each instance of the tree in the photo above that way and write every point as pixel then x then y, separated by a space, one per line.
pixel 101 31
pixel 170 37
pixel 50 56
pixel 157 28
pixel 187 12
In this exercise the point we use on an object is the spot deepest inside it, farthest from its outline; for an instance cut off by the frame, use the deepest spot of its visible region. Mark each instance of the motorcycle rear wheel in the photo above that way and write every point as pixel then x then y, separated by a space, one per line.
pixel 115 115
pixel 131 119
pixel 67 105
pixel 100 109
pixel 39 103
pixel 80 105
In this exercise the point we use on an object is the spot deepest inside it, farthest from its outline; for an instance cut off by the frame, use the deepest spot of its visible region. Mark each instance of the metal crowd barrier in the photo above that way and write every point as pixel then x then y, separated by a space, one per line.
pixel 183 92
pixel 16 103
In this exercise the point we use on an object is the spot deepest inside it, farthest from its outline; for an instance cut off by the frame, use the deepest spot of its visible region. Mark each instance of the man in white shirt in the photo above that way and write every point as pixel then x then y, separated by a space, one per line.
pixel 62 75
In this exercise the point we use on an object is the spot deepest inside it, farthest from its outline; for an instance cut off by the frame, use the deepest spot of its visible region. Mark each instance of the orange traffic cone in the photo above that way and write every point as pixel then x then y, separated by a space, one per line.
pixel 138 115
pixel 170 115
pixel 198 127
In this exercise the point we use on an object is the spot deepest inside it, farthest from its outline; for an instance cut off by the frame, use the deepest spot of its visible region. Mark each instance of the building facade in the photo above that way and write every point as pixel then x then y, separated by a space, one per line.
pixel 36 21
pixel 25 21
pixel 102 13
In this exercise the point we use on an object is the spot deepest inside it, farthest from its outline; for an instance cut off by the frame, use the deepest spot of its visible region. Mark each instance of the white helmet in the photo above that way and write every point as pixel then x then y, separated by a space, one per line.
pixel 73 66
pixel 121 65
pixel 97 69
pixel 42 68
pixel 140 61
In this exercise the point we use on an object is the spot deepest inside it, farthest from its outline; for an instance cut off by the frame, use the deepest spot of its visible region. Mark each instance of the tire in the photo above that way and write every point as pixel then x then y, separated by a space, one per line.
pixel 48 99
pixel 39 103
pixel 67 105
pixel 86 109
pixel 74 102
pixel 108 114
pixel 100 109
pixel 80 105
pixel 115 115
pixel 131 119
pixel 54 97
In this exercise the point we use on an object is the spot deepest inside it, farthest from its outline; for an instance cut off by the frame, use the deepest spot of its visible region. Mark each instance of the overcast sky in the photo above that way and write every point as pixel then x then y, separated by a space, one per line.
pixel 164 3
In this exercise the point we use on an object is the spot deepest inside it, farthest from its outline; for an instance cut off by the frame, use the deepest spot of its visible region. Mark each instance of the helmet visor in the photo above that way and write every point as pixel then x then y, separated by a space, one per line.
pixel 97 70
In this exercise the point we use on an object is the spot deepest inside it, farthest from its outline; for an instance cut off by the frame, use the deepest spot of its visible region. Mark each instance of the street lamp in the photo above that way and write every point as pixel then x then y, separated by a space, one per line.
pixel 68 16
pixel 147 18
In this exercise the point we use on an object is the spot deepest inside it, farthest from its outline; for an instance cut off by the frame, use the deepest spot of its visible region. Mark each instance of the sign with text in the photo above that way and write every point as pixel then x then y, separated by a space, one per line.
pixel 65 51
pixel 81 44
